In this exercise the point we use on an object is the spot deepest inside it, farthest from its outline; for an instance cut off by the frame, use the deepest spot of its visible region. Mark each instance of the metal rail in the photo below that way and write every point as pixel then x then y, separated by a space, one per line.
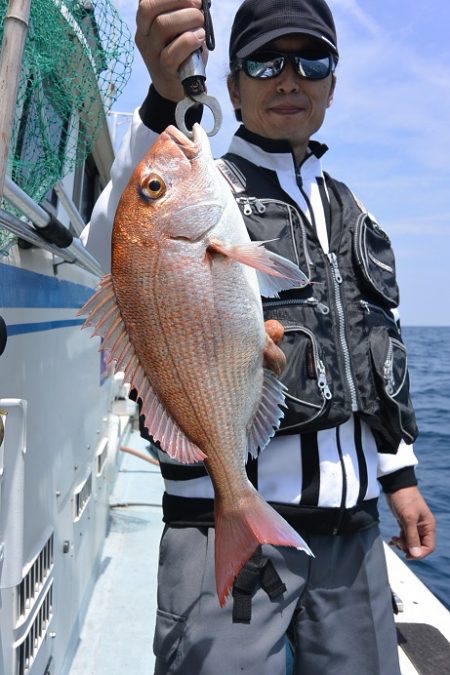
pixel 47 233
pixel 77 221
pixel 24 231
pixel 18 198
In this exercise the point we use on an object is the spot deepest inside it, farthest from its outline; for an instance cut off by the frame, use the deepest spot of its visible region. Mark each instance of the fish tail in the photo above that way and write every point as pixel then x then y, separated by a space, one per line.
pixel 239 532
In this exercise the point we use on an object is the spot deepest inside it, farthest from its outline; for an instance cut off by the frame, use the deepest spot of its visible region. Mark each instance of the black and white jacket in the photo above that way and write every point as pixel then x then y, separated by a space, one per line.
pixel 326 480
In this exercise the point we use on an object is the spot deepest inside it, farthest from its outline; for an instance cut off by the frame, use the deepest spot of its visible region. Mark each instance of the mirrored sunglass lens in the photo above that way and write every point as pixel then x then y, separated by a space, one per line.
pixel 314 69
pixel 263 68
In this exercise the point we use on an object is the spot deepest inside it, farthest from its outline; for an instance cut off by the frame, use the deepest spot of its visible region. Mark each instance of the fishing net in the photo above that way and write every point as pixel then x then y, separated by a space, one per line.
pixel 7 240
pixel 74 51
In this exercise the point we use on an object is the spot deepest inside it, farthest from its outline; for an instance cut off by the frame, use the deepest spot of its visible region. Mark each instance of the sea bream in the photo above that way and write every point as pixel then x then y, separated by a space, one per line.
pixel 181 314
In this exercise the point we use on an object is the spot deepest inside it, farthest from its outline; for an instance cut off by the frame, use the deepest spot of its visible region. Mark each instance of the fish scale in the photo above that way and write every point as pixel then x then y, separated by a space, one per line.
pixel 183 309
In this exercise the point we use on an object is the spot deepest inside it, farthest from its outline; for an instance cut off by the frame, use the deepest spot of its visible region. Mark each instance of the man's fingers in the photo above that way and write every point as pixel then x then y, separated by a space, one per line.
pixel 417 541
pixel 274 330
pixel 412 539
pixel 177 51
pixel 421 536
pixel 148 10
pixel 417 523
pixel 273 358
pixel 427 533
pixel 167 32
pixel 167 27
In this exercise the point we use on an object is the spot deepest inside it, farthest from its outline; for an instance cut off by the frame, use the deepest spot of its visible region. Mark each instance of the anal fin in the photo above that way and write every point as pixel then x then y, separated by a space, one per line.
pixel 268 415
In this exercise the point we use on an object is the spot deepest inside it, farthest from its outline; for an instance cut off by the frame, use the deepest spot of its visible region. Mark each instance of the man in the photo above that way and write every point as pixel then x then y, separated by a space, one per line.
pixel 349 418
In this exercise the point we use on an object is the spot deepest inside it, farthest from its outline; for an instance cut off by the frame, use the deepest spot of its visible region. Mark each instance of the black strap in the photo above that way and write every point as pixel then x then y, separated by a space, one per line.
pixel 209 30
pixel 3 335
pixel 258 571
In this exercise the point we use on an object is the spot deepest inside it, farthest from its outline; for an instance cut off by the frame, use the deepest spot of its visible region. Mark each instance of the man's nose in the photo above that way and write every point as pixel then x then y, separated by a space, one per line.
pixel 288 80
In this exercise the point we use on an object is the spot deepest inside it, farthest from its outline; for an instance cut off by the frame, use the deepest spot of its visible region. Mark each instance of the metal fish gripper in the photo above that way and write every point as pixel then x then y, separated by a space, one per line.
pixel 193 78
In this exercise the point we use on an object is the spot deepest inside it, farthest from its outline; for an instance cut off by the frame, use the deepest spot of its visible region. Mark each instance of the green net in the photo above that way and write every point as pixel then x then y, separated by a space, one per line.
pixel 7 240
pixel 77 60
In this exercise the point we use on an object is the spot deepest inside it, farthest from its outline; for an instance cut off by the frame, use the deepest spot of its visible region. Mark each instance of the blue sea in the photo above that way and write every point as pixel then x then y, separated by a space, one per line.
pixel 429 367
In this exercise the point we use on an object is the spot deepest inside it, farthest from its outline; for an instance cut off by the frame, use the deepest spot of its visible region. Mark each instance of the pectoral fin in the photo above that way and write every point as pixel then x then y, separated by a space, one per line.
pixel 275 273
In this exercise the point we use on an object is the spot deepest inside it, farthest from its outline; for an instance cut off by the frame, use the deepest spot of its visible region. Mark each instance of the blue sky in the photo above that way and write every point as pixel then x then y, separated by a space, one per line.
pixel 387 130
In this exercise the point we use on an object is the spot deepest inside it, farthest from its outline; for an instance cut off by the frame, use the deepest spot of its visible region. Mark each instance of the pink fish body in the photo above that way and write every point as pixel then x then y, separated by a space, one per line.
pixel 181 314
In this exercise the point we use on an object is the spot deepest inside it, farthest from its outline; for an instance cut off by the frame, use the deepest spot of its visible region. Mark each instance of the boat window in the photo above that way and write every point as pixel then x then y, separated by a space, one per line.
pixel 87 187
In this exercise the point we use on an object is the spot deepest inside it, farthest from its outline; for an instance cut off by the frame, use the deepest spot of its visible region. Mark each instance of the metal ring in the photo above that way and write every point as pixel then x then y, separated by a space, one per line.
pixel 210 102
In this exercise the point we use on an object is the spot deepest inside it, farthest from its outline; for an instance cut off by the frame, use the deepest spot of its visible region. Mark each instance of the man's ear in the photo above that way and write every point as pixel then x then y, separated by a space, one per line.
pixel 233 91
pixel 332 88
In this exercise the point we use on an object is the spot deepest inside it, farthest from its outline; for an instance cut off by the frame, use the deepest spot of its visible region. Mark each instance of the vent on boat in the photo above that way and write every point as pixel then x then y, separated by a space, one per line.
pixel 82 496
pixel 27 650
pixel 33 581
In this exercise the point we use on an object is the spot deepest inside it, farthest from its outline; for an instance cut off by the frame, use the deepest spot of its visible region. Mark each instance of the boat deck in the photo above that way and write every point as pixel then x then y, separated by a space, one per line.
pixel 117 634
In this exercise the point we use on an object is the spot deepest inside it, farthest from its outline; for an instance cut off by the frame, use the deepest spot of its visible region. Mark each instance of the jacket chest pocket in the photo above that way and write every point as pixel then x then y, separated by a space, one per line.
pixel 280 225
pixel 308 388
pixel 375 261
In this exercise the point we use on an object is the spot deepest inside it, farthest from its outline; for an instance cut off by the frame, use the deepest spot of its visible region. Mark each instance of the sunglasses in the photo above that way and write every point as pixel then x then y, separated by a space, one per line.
pixel 265 65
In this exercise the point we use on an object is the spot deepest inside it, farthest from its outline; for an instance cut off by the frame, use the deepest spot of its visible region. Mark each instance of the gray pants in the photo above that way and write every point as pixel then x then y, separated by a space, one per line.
pixel 337 609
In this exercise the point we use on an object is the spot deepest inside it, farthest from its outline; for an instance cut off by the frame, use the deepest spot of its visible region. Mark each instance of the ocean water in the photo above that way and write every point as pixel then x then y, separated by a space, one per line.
pixel 429 367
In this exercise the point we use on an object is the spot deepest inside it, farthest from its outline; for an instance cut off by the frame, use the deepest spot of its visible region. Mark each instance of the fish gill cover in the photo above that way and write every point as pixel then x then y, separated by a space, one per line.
pixel 77 60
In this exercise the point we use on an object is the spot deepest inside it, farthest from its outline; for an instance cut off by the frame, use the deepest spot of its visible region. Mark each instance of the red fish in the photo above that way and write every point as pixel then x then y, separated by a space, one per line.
pixel 181 314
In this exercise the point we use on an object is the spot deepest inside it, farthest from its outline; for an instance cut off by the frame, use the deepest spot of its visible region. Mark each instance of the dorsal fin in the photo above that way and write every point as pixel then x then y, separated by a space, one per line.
pixel 104 315
pixel 268 415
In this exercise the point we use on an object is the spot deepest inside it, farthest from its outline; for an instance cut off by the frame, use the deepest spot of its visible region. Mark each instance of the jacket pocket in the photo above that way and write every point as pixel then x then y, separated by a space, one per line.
pixel 273 220
pixel 308 390
pixel 390 366
pixel 375 260
pixel 169 631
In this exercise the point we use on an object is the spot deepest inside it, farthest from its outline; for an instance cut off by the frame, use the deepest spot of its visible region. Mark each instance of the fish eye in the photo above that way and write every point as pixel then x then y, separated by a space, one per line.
pixel 154 187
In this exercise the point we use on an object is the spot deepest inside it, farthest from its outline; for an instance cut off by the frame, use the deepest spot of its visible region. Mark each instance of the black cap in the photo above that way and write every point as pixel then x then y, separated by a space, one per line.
pixel 258 22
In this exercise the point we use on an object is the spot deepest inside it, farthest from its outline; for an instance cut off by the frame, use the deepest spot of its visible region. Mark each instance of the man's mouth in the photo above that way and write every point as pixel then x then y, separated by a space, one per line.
pixel 286 109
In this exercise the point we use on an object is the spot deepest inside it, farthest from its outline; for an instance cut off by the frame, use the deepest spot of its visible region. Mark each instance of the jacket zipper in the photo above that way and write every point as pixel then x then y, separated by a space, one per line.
pixel 337 281
pixel 248 203
pixel 312 302
pixel 388 370
pixel 322 381
pixel 367 306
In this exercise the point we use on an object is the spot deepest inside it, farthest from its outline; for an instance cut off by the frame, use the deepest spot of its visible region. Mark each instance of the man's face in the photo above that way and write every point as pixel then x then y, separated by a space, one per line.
pixel 288 106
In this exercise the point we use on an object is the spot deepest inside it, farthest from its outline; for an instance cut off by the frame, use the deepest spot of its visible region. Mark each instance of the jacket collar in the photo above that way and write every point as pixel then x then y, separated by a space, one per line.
pixel 276 155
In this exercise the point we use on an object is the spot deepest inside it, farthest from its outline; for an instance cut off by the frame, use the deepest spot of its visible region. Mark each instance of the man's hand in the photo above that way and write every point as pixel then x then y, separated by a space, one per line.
pixel 273 357
pixel 167 33
pixel 417 524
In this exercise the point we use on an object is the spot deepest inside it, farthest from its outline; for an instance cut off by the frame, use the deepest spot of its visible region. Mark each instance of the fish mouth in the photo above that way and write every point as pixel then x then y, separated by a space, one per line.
pixel 190 148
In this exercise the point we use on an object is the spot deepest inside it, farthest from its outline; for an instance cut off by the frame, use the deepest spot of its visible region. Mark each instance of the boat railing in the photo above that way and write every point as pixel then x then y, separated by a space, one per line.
pixel 46 231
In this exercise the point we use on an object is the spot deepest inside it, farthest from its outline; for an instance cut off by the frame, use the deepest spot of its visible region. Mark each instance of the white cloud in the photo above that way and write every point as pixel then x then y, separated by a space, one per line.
pixel 352 8
pixel 393 93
